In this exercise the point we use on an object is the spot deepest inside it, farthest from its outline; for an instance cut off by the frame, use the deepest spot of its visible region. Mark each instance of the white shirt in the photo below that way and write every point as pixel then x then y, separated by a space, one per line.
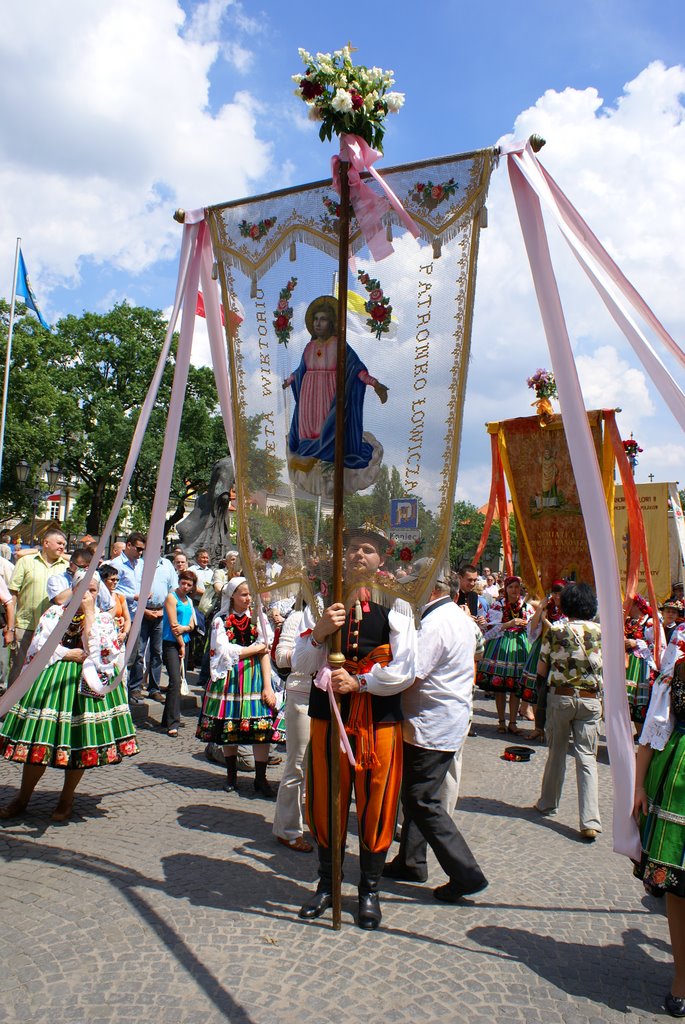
pixel 437 708
pixel 284 653
pixel 204 577
pixel 6 569
pixel 381 680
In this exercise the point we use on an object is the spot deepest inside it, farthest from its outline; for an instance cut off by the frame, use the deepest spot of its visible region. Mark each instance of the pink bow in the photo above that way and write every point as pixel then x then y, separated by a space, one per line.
pixel 323 682
pixel 368 206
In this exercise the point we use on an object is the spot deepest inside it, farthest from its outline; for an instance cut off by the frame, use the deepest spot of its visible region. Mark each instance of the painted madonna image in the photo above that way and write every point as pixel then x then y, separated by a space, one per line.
pixel 311 441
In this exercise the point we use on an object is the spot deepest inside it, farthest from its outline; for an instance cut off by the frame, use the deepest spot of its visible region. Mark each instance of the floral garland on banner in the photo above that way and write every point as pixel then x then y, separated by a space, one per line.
pixel 347 98
pixel 283 314
pixel 407 553
pixel 332 206
pixel 429 195
pixel 378 306
pixel 256 230
pixel 545 387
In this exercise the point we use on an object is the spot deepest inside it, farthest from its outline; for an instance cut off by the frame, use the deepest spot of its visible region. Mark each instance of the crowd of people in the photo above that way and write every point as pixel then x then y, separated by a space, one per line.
pixel 404 693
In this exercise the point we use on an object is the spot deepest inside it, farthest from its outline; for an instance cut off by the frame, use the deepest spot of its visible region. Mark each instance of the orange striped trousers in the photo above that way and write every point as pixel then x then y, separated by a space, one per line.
pixel 376 790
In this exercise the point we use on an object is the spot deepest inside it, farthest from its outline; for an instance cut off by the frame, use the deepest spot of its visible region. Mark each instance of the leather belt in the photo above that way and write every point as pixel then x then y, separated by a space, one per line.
pixel 572 691
pixel 153 607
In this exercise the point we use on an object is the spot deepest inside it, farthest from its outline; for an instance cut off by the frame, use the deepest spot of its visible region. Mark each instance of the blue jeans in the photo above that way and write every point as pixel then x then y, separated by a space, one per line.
pixel 150 632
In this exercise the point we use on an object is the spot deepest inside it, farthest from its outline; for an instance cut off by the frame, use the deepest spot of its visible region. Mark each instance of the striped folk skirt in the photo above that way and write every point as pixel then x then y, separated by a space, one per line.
pixel 53 724
pixel 639 678
pixel 503 663
pixel 233 710
pixel 662 832
pixel 527 688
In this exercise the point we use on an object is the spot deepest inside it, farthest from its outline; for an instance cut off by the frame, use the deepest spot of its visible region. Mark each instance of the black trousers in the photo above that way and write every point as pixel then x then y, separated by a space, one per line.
pixel 427 823
pixel 171 719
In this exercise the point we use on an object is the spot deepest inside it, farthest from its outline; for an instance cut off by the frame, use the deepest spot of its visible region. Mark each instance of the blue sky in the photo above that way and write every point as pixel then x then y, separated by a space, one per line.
pixel 115 114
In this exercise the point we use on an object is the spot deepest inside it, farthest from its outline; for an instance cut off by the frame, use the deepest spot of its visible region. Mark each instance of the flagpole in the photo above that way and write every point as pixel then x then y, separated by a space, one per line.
pixel 336 658
pixel 8 356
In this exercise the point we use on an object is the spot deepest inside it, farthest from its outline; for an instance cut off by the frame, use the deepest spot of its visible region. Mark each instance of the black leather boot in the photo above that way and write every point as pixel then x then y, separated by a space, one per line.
pixel 322 898
pixel 371 865
pixel 261 786
pixel 231 774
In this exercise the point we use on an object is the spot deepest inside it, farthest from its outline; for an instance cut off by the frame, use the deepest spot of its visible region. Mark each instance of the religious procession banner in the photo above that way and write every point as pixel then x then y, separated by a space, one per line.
pixel 408 340
pixel 654 506
pixel 552 542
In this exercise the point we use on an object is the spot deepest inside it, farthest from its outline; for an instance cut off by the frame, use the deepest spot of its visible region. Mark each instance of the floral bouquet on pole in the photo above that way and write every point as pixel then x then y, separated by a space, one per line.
pixel 632 450
pixel 545 387
pixel 352 101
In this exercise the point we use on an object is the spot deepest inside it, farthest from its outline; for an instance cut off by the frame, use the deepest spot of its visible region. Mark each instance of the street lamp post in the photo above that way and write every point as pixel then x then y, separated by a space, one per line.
pixel 37 494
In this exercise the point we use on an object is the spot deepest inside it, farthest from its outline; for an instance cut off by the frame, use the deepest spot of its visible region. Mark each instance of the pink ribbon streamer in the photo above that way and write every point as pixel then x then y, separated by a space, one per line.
pixel 155 533
pixel 29 675
pixel 323 682
pixel 368 206
pixel 593 504
pixel 613 287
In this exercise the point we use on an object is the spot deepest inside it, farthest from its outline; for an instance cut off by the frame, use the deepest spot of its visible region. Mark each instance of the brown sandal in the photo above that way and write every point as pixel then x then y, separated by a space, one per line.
pixel 300 845
pixel 513 729
pixel 501 725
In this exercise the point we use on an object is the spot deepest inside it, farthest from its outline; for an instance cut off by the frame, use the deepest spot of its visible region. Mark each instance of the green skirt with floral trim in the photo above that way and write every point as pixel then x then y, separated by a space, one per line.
pixel 233 710
pixel 662 866
pixel 53 724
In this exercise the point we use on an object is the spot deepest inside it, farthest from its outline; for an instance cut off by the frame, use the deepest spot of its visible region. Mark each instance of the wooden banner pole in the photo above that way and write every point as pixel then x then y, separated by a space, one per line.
pixel 336 658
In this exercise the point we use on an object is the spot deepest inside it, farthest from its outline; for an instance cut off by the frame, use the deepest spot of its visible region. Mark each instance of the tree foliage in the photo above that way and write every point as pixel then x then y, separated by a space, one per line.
pixel 75 397
pixel 467 529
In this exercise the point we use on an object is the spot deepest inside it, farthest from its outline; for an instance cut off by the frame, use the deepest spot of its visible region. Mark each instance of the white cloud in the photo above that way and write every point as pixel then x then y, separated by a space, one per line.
pixel 607 381
pixel 620 163
pixel 112 130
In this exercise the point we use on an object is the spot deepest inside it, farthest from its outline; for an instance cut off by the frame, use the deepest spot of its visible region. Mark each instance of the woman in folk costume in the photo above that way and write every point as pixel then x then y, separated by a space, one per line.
pixel 640 664
pixel 660 804
pixel 238 702
pixel 506 651
pixel 379 645
pixel 547 611
pixel 63 721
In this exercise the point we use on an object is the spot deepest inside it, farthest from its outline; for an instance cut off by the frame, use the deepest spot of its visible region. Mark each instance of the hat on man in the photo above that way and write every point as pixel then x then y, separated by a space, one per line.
pixel 373 532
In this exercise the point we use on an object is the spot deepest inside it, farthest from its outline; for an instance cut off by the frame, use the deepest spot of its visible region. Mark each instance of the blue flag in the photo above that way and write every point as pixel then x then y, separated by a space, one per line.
pixel 25 291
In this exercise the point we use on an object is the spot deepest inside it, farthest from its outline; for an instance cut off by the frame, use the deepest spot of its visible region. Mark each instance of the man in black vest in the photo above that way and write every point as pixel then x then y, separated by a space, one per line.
pixel 379 645
pixel 467 597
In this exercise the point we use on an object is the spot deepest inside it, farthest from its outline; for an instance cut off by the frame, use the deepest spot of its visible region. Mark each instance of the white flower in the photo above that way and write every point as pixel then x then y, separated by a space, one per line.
pixel 305 57
pixel 370 100
pixel 394 100
pixel 297 78
pixel 323 58
pixel 342 101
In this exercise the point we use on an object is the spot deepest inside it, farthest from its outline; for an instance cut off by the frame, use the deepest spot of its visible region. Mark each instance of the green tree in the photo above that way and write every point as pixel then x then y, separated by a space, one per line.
pixel 75 397
pixel 35 407
pixel 467 529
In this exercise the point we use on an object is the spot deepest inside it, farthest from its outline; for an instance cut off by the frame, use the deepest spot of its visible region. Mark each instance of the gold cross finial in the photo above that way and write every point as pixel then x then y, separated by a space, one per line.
pixel 351 48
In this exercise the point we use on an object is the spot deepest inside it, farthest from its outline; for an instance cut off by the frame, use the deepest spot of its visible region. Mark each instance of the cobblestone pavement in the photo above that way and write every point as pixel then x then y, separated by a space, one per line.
pixel 167 900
